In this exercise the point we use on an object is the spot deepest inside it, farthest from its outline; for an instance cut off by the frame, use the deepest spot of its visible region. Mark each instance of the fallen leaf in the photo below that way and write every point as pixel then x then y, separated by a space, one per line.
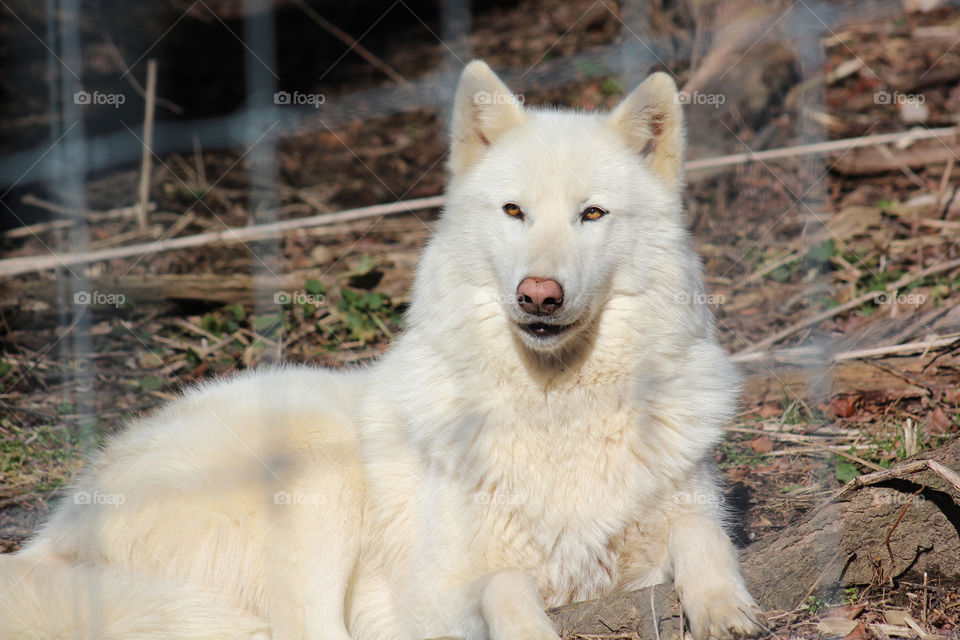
pixel 849 611
pixel 770 410
pixel 844 406
pixel 952 396
pixel 736 474
pixel 895 616
pixel 836 627
pixel 860 632
pixel 150 360
pixel 938 423
pixel 761 444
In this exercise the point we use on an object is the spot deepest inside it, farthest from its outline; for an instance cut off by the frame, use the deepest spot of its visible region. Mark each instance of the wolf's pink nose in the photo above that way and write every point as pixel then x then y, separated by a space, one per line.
pixel 540 296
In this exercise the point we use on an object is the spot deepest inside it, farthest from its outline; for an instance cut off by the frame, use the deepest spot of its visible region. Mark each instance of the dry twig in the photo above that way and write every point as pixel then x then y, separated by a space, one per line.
pixel 146 159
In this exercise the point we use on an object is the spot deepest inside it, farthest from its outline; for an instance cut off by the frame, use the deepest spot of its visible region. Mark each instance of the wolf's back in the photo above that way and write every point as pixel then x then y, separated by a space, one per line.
pixel 41 600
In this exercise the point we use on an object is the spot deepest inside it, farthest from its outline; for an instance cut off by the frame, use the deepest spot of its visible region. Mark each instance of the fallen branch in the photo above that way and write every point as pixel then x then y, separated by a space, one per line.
pixel 869 297
pixel 899 472
pixel 868 163
pixel 817 148
pixel 17 266
pixel 801 355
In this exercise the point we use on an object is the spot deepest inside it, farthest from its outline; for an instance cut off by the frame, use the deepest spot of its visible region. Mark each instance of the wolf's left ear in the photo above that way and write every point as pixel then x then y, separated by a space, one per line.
pixel 484 108
pixel 651 120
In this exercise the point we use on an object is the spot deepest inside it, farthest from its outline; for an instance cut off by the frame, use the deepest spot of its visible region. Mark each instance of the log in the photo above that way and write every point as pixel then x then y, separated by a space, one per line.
pixel 897 529
pixel 889 526
pixel 868 162
pixel 214 289
pixel 625 613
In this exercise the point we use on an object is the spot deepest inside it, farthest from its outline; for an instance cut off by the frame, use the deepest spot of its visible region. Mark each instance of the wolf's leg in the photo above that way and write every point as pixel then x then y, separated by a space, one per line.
pixel 707 577
pixel 506 602
pixel 311 553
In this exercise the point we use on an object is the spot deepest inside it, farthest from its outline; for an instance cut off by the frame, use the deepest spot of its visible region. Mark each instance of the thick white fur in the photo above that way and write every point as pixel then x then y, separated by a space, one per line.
pixel 472 476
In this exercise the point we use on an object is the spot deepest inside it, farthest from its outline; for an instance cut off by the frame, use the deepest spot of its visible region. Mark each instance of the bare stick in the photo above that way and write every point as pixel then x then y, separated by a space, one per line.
pixel 944 183
pixel 818 148
pixel 924 615
pixel 898 473
pixel 75 215
pixel 338 33
pixel 906 347
pixel 773 266
pixel 907 171
pixel 146 160
pixel 29 264
pixel 894 528
pixel 803 353
pixel 817 582
pixel 114 53
pixel 868 297
pixel 40 227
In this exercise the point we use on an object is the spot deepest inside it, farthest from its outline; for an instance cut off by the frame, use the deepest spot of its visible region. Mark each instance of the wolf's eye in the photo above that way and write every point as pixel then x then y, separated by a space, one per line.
pixel 592 213
pixel 512 210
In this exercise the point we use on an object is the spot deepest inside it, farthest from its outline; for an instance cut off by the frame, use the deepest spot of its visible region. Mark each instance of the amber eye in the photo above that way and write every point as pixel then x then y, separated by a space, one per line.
pixel 592 213
pixel 512 210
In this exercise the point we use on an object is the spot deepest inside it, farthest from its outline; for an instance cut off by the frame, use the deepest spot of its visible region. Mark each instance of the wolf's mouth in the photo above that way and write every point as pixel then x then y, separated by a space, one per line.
pixel 544 330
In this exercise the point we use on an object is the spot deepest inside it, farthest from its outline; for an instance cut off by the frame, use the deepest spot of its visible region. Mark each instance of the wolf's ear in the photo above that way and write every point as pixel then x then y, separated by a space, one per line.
pixel 484 108
pixel 651 120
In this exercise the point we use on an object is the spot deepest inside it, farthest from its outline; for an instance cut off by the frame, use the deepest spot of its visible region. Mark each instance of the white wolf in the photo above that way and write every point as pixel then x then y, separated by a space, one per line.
pixel 540 434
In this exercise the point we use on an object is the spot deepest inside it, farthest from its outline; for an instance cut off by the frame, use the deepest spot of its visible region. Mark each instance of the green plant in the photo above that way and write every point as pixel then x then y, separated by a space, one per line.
pixel 611 86
pixel 820 254
pixel 850 595
pixel 365 314
pixel 844 470
pixel 811 605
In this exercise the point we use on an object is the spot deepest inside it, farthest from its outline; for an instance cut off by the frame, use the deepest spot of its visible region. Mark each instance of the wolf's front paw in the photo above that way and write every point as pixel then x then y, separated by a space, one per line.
pixel 722 615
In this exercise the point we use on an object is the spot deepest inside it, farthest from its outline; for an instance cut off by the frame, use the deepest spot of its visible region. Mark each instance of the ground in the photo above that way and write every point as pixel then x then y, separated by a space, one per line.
pixel 781 239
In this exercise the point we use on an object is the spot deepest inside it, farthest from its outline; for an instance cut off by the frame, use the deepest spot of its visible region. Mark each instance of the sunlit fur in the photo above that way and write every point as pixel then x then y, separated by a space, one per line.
pixel 471 476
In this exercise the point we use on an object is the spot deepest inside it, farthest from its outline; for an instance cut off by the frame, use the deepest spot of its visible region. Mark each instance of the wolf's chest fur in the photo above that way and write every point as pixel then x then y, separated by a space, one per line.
pixel 562 480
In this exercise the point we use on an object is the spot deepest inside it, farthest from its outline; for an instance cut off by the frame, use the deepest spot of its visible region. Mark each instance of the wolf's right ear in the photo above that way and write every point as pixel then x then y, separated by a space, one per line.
pixel 651 120
pixel 484 108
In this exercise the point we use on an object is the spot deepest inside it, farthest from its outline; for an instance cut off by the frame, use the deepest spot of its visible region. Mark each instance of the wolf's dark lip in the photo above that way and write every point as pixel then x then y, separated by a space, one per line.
pixel 543 330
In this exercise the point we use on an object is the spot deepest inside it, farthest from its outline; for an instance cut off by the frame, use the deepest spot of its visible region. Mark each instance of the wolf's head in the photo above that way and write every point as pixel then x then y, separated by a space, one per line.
pixel 552 214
